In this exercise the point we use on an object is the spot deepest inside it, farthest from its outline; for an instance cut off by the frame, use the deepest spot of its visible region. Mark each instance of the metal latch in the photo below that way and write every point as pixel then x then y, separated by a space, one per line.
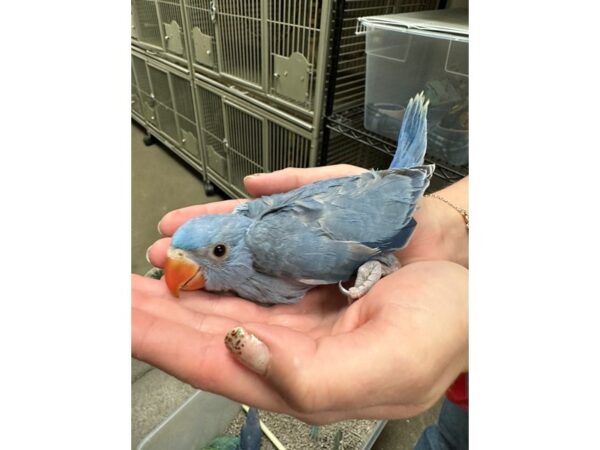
pixel 213 10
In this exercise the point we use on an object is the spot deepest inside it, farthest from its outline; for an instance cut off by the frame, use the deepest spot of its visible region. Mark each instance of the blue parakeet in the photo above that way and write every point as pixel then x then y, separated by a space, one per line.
pixel 275 248
pixel 250 437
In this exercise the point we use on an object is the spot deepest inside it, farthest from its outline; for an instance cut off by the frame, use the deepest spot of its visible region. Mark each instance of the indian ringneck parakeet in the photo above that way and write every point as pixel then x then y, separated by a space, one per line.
pixel 275 248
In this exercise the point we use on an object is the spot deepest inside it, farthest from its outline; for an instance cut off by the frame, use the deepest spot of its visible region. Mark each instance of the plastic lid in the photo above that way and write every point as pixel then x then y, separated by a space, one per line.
pixel 452 23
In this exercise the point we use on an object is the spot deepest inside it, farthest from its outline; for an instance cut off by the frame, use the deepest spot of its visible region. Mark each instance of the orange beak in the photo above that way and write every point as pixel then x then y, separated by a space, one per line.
pixel 181 273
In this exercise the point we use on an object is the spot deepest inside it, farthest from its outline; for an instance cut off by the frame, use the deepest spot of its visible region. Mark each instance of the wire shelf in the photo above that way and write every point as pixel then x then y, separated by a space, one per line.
pixel 350 124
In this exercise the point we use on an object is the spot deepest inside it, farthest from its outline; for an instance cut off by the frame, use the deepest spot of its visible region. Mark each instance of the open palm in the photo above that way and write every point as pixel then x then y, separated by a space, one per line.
pixel 391 354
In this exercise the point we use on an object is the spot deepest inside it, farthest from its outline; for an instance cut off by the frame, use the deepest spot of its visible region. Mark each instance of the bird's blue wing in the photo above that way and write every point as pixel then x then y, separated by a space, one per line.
pixel 287 246
pixel 377 209
pixel 324 231
pixel 263 205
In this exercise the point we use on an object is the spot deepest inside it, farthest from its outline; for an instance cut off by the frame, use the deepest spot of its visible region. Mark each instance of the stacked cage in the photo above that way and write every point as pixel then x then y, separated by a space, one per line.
pixel 162 102
pixel 271 48
pixel 254 77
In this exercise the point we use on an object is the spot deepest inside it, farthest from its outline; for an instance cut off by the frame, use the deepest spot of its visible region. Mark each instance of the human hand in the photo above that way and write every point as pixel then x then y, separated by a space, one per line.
pixel 198 323
pixel 392 354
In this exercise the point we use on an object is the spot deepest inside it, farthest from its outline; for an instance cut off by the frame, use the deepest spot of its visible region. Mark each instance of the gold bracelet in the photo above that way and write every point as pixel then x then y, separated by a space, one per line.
pixel 462 212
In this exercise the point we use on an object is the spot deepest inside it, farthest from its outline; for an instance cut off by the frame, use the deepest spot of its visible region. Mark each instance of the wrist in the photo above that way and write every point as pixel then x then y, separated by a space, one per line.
pixel 450 209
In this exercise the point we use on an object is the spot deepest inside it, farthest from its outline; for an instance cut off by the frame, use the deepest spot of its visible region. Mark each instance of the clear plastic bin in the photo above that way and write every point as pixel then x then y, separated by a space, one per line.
pixel 413 52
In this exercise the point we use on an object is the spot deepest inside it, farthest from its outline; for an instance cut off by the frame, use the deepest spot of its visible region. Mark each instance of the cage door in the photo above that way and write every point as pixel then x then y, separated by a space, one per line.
pixel 213 132
pixel 161 94
pixel 240 39
pixel 246 141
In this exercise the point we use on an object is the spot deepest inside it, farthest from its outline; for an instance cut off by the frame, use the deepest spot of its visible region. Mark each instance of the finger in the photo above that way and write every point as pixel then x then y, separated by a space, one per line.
pixel 378 412
pixel 315 314
pixel 174 219
pixel 312 375
pixel 291 178
pixel 315 375
pixel 318 308
pixel 244 311
pixel 172 310
pixel 259 348
pixel 147 286
pixel 200 359
pixel 308 315
pixel 226 306
pixel 157 252
pixel 150 287
pixel 150 291
pixel 322 300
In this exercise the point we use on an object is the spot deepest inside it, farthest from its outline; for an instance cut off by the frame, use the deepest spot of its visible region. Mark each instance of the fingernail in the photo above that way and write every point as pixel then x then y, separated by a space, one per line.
pixel 248 349
pixel 158 228
pixel 254 175
pixel 148 255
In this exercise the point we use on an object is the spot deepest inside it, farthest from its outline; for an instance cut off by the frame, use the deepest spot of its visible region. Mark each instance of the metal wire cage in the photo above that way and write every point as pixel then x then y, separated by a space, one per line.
pixel 269 46
pixel 157 26
pixel 276 47
pixel 252 95
pixel 165 103
pixel 350 69
pixel 202 32
pixel 242 139
pixel 343 150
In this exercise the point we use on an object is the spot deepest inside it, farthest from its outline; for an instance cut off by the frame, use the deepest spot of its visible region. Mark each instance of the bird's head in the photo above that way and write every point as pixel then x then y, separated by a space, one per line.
pixel 207 251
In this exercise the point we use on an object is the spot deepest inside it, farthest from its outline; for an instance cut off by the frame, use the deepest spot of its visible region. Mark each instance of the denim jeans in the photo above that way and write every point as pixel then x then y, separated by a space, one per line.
pixel 450 433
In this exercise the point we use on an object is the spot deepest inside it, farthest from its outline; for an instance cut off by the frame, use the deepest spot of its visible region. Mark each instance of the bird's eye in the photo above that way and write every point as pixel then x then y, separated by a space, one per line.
pixel 219 250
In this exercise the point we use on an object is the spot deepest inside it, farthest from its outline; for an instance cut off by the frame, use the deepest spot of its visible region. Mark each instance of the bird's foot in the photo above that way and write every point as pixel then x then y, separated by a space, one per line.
pixel 368 274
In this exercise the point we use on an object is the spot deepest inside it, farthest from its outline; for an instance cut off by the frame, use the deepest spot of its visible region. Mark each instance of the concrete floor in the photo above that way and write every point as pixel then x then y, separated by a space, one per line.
pixel 162 182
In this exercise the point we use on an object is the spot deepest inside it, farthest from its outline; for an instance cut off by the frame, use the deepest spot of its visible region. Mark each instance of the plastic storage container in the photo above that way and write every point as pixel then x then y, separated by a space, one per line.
pixel 413 52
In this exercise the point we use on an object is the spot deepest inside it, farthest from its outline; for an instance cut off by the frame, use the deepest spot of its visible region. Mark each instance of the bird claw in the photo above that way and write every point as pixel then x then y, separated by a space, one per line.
pixel 343 290
pixel 368 274
pixel 351 294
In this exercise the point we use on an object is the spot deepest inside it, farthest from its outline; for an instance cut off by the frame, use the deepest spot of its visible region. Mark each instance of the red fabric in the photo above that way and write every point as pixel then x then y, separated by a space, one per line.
pixel 458 392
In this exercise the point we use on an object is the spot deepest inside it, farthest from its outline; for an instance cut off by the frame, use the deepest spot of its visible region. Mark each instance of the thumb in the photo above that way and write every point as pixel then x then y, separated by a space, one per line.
pixel 291 178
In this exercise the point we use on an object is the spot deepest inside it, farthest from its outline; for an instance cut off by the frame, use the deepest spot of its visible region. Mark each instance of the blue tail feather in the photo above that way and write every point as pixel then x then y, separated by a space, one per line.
pixel 412 140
